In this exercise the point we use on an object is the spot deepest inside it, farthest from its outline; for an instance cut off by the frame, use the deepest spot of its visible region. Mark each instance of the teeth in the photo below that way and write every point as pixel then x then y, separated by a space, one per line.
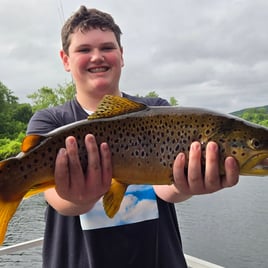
pixel 98 70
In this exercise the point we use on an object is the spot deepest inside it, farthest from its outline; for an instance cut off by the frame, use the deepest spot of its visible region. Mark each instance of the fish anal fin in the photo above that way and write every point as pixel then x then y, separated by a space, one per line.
pixel 39 188
pixel 113 198
pixel 114 105
pixel 7 210
pixel 30 142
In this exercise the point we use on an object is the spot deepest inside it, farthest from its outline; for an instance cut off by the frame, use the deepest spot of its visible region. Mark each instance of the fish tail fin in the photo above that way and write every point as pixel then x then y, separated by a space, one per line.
pixel 113 198
pixel 7 210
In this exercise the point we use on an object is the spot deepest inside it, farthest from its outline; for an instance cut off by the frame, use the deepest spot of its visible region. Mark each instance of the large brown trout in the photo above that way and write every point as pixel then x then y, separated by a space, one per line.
pixel 144 142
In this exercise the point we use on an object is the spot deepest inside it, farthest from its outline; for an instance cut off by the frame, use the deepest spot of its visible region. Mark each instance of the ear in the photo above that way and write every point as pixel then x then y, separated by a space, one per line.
pixel 65 60
pixel 122 59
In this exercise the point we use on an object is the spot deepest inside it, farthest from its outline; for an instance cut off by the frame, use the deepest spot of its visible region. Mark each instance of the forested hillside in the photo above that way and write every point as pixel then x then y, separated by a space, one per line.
pixel 14 116
pixel 258 115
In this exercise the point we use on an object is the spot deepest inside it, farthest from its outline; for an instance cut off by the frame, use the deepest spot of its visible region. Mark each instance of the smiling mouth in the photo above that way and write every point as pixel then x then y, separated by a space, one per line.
pixel 98 70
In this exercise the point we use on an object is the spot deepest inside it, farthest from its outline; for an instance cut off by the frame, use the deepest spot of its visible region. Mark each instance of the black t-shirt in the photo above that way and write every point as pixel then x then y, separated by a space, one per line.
pixel 149 238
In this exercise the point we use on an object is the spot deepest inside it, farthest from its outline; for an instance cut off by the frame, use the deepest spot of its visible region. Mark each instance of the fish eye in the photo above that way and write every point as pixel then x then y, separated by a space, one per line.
pixel 254 143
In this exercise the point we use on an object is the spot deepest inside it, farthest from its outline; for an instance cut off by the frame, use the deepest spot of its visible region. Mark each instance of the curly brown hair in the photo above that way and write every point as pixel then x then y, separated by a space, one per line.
pixel 85 19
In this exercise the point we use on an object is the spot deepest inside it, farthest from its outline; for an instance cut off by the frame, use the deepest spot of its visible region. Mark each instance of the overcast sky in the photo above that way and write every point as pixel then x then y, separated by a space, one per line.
pixel 206 53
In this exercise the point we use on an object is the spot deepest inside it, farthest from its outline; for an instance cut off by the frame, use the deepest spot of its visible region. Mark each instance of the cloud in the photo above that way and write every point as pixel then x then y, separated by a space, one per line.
pixel 139 204
pixel 207 53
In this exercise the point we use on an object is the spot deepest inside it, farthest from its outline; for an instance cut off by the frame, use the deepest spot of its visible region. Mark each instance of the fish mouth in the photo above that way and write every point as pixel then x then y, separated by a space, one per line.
pixel 256 165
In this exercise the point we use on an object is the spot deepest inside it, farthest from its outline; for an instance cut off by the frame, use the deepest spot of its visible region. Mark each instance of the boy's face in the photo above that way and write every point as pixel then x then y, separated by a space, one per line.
pixel 95 61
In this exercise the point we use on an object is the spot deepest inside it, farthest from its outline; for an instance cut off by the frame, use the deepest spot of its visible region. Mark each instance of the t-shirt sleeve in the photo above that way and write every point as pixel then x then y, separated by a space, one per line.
pixel 162 102
pixel 42 122
pixel 148 101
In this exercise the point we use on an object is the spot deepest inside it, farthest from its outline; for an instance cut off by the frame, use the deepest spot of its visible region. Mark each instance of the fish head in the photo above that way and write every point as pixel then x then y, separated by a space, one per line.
pixel 255 158
pixel 248 144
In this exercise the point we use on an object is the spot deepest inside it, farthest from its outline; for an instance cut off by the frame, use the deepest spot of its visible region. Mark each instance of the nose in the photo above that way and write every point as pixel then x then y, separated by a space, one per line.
pixel 96 56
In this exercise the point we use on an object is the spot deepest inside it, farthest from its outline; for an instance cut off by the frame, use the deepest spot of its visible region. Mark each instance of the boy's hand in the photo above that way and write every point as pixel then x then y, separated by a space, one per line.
pixel 71 182
pixel 196 183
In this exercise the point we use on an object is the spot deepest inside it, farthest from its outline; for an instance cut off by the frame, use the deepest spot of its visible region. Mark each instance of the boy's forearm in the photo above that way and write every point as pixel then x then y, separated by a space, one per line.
pixel 170 193
pixel 65 207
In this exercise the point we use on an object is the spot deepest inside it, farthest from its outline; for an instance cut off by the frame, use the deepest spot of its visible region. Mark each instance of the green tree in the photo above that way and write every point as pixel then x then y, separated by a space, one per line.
pixel 14 117
pixel 258 115
pixel 153 94
pixel 173 101
pixel 264 123
pixel 22 112
pixel 6 97
pixel 9 147
pixel 47 97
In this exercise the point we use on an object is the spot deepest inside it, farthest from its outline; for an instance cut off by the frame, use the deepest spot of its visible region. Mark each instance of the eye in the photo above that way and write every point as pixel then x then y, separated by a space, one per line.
pixel 108 48
pixel 84 50
pixel 255 143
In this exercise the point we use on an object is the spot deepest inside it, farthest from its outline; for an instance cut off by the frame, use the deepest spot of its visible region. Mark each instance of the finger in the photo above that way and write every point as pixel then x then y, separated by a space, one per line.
pixel 195 177
pixel 76 173
pixel 61 172
pixel 94 165
pixel 106 163
pixel 232 172
pixel 212 171
pixel 180 180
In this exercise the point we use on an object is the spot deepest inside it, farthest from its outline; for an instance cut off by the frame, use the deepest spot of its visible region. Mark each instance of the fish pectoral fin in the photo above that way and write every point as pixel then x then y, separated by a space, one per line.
pixel 7 210
pixel 114 105
pixel 39 188
pixel 113 198
pixel 31 141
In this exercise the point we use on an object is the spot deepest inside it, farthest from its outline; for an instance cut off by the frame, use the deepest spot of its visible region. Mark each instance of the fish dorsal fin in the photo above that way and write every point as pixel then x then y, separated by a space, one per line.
pixel 30 142
pixel 114 105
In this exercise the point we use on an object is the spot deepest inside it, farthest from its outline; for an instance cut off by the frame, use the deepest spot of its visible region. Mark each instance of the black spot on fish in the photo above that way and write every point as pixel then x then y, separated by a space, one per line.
pixel 177 148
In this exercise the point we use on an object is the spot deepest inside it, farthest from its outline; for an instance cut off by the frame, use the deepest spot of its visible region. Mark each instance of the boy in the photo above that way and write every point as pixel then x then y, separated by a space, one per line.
pixel 76 234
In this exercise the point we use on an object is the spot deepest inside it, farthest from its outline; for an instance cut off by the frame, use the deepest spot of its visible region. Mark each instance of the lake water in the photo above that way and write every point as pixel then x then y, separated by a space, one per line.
pixel 229 228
